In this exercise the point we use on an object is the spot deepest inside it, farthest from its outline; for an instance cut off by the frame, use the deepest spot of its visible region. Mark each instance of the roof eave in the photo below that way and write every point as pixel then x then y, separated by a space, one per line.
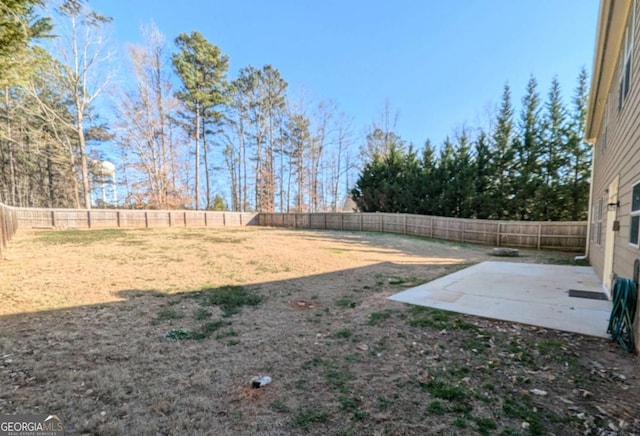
pixel 612 19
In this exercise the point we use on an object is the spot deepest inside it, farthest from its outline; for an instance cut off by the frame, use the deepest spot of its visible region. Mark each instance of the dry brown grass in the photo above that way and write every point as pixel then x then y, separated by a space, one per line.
pixel 85 314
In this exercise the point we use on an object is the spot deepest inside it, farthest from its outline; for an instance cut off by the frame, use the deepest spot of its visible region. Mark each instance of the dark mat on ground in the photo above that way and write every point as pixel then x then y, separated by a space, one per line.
pixel 588 294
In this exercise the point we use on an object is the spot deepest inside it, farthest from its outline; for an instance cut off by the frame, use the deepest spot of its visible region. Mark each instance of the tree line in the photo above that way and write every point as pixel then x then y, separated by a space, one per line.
pixel 184 134
pixel 530 166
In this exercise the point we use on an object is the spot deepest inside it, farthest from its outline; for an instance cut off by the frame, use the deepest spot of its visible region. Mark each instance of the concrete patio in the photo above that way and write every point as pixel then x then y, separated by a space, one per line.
pixel 520 292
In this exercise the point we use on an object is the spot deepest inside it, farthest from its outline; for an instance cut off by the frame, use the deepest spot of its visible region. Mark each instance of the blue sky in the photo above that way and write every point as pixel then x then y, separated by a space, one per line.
pixel 440 64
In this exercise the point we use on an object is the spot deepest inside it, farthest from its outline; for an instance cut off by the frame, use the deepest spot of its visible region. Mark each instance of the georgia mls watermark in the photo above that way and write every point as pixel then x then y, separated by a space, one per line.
pixel 31 425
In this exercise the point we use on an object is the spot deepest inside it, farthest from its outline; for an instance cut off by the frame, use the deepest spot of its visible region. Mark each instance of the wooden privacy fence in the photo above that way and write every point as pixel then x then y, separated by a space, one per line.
pixel 8 226
pixel 29 218
pixel 569 236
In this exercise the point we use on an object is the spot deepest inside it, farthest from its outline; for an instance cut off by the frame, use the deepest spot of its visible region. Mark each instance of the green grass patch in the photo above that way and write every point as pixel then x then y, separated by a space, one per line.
pixel 346 303
pixel 436 408
pixel 523 408
pixel 184 334
pixel 343 334
pixel 308 416
pixel 214 326
pixel 201 314
pixel 231 299
pixel 486 425
pixel 446 390
pixel 460 423
pixel 383 403
pixel 420 316
pixel 81 237
pixel 205 331
pixel 376 318
pixel 338 378
pixel 227 334
pixel 279 406
pixel 167 314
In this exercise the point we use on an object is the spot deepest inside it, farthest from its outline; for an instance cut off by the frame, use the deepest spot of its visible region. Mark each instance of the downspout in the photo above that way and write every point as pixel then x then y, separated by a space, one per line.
pixel 590 210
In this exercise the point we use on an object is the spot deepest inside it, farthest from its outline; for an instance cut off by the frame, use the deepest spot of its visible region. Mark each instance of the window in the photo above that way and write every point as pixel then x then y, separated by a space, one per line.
pixel 625 61
pixel 634 234
pixel 599 222
pixel 593 224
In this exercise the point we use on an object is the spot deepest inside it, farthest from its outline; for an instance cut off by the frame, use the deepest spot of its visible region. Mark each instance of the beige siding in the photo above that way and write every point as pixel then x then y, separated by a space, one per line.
pixel 621 157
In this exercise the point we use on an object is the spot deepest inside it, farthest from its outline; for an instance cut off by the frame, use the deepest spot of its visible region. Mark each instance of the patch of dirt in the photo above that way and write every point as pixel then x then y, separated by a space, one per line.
pixel 83 325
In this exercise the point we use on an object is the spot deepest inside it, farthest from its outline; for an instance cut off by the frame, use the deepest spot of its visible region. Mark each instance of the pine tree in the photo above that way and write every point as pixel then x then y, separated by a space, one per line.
pixel 427 184
pixel 481 196
pixel 502 160
pixel 527 149
pixel 445 173
pixel 202 69
pixel 578 156
pixel 19 25
pixel 462 178
pixel 549 198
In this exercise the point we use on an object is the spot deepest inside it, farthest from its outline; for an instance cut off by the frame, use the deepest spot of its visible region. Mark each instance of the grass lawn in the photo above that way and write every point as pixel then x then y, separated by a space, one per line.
pixel 160 331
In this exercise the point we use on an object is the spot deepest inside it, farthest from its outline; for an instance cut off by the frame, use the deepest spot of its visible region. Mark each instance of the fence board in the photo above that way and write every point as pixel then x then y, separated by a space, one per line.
pixel 30 218
pixel 8 226
pixel 570 236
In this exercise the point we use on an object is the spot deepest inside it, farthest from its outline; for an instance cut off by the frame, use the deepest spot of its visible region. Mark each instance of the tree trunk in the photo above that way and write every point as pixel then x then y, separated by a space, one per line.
pixel 206 164
pixel 86 189
pixel 197 187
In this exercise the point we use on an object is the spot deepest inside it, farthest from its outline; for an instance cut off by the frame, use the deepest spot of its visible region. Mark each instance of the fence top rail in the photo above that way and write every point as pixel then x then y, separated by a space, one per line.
pixel 472 220
pixel 62 209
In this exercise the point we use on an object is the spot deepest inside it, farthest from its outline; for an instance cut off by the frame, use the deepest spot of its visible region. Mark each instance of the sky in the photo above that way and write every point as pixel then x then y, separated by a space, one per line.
pixel 440 65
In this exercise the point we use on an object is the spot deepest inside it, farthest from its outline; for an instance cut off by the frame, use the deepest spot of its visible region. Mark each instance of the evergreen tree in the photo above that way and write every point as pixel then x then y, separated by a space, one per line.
pixel 549 204
pixel 445 173
pixel 427 184
pixel 19 26
pixel 482 180
pixel 202 69
pixel 462 178
pixel 527 149
pixel 578 156
pixel 502 160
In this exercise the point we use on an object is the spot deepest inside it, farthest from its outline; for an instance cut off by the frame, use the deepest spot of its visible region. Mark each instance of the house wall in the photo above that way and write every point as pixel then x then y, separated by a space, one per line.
pixel 617 153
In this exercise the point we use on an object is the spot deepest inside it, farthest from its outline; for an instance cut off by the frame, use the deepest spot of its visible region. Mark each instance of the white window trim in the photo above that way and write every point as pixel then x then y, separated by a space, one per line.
pixel 599 214
pixel 633 213
pixel 627 57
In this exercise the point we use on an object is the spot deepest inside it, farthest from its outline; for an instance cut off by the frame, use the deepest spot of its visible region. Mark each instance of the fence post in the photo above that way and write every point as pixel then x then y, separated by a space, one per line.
pixel 53 219
pixel 341 221
pixel 206 221
pixel 259 218
pixel 431 227
pixel 498 234
pixel 185 219
pixel 89 218
pixel 118 218
pixel 146 220
pixel 170 224
pixel 325 221
pixel 224 219
pixel 463 229
pixel 404 225
pixel 381 222
pixel 539 235
pixel 361 219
